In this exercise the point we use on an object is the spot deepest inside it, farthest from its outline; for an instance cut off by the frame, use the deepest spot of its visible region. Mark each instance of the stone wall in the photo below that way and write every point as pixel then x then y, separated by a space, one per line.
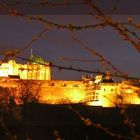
pixel 65 92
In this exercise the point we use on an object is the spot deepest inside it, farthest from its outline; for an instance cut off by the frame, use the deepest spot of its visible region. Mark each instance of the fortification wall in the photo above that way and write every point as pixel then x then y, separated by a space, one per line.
pixel 51 91
pixel 64 92
pixel 111 95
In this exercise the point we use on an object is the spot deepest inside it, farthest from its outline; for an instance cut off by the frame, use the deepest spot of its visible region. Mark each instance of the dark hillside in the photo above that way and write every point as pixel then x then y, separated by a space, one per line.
pixel 45 122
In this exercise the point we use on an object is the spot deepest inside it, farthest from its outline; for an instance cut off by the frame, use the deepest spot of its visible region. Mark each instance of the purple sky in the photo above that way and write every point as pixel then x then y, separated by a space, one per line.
pixel 17 33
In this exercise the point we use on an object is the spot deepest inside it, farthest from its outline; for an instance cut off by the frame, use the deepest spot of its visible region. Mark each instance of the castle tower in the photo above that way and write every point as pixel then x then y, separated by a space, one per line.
pixel 36 69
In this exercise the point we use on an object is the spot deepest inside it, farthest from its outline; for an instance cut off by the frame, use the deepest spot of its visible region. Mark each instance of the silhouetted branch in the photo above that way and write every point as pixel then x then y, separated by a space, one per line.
pixel 103 61
pixel 78 70
pixel 45 3
pixel 79 59
pixel 89 122
pixel 123 31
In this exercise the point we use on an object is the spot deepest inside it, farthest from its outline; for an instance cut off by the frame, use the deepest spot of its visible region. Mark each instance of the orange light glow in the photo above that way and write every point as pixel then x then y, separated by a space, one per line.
pixel 94 103
pixel 73 96
pixel 76 96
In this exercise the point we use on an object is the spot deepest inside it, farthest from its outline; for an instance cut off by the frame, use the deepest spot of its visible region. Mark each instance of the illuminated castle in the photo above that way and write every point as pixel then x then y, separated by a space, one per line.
pixel 100 91
pixel 29 71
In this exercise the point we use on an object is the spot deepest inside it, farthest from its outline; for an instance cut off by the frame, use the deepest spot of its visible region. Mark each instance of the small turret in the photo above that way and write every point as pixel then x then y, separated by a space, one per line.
pixel 104 78
pixel 107 78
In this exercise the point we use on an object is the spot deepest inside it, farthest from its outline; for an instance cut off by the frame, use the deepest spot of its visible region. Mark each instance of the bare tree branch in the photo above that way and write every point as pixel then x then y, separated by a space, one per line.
pixel 117 26
pixel 103 61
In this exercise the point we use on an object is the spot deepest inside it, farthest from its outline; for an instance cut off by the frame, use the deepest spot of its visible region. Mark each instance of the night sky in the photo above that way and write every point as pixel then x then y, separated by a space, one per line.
pixel 56 43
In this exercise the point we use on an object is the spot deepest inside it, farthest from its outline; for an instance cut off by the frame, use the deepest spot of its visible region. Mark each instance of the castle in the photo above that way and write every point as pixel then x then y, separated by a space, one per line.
pixel 36 78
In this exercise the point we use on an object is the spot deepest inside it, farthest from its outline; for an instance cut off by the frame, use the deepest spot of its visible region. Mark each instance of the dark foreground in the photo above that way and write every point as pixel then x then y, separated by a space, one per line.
pixel 50 122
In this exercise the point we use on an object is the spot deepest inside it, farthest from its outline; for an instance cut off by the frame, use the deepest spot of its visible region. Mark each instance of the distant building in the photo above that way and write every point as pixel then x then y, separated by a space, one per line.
pixel 32 71
pixel 102 90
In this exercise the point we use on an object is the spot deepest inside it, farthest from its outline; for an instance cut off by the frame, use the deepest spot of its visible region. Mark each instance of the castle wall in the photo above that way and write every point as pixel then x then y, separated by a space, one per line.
pixel 106 94
pixel 111 95
pixel 51 91
pixel 57 91
pixel 65 92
